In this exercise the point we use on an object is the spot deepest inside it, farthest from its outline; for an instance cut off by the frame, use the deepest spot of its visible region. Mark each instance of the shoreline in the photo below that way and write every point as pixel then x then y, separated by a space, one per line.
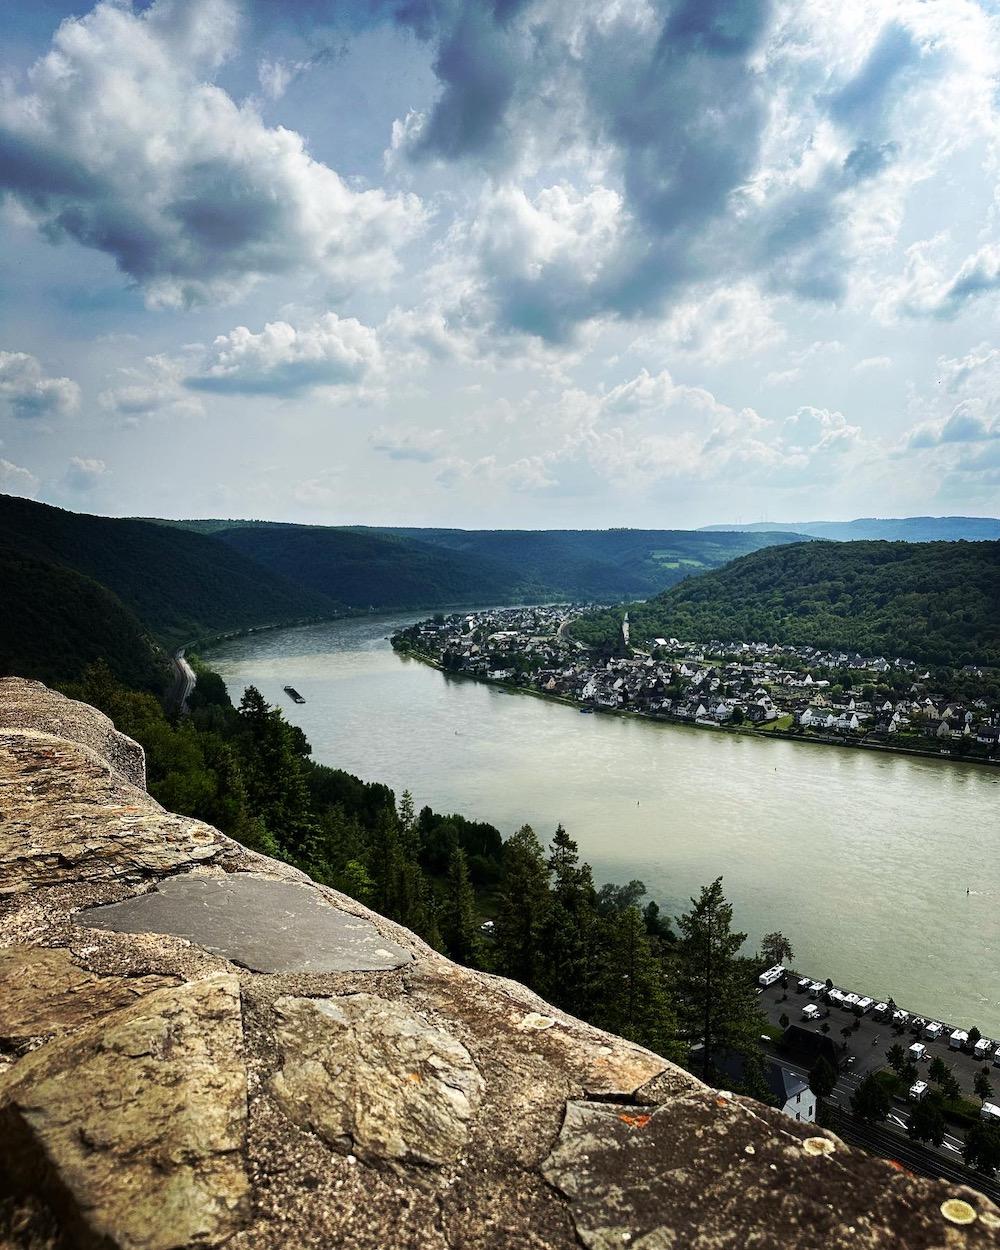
pixel 783 735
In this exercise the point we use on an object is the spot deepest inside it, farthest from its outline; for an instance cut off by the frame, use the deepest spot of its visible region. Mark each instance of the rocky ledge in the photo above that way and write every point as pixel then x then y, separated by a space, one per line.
pixel 199 1046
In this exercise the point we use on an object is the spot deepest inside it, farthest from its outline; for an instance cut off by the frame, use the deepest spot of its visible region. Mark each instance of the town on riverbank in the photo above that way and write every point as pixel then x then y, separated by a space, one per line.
pixel 796 692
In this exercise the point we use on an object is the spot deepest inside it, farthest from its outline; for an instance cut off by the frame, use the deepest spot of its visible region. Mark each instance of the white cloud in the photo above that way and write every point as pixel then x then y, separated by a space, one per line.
pixel 15 480
pixel 29 392
pixel 871 364
pixel 156 388
pixel 410 442
pixel 282 359
pixel 124 143
pixel 84 473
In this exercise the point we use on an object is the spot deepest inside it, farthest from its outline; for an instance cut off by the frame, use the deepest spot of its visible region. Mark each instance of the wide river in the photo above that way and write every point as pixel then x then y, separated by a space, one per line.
pixel 862 859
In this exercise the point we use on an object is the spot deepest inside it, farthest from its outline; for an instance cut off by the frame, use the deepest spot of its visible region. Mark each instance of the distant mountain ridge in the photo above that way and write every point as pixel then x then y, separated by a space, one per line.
pixel 78 587
pixel 81 587
pixel 397 567
pixel 937 603
pixel 914 529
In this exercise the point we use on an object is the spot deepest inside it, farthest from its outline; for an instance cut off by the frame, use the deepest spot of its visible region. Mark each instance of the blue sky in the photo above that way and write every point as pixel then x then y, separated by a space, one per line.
pixel 501 262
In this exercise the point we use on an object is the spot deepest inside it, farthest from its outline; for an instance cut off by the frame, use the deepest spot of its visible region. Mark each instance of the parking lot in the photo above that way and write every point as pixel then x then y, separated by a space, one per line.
pixel 864 1049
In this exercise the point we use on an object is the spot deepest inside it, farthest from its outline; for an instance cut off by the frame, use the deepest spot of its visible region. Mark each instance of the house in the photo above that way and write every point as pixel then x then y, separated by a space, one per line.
pixel 789 1090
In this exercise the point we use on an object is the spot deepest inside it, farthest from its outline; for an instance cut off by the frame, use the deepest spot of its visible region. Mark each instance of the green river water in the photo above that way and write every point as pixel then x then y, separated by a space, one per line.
pixel 862 859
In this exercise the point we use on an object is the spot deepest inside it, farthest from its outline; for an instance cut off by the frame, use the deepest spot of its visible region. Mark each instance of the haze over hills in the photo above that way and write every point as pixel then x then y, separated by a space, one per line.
pixel 938 603
pixel 913 529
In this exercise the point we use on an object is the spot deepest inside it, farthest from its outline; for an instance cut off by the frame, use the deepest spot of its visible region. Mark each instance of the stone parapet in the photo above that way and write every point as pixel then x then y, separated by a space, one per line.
pixel 200 1046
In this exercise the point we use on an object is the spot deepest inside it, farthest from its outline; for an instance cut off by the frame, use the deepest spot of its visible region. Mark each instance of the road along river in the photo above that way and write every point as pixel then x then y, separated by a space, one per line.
pixel 863 859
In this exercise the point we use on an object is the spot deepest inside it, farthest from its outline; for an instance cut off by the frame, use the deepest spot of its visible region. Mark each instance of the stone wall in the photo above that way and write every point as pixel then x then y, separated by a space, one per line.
pixel 199 1046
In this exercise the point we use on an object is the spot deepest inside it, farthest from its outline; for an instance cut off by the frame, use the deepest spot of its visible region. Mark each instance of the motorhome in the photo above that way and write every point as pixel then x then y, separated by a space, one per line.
pixel 958 1040
pixel 917 1051
pixel 917 1091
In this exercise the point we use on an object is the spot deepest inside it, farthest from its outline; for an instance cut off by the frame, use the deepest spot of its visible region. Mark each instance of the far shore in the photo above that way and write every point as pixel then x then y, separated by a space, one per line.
pixel 786 735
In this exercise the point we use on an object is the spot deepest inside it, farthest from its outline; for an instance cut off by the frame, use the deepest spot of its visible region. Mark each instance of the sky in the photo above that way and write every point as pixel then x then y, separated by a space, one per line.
pixel 505 263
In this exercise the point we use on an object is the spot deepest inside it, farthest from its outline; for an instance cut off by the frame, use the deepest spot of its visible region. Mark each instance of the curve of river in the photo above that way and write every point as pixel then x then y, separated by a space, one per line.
pixel 862 859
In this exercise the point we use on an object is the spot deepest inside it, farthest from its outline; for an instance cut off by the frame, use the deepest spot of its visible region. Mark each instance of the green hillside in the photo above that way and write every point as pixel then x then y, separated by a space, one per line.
pixel 601 564
pixel 54 622
pixel 401 568
pixel 934 602
pixel 368 569
pixel 178 583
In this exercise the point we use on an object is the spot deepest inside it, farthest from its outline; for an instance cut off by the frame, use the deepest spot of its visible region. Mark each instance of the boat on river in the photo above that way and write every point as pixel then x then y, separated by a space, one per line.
pixel 293 694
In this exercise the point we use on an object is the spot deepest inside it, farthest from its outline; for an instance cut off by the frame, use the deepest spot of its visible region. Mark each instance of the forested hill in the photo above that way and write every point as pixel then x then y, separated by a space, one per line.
pixel 401 568
pixel 78 586
pixel 912 529
pixel 54 622
pixel 938 603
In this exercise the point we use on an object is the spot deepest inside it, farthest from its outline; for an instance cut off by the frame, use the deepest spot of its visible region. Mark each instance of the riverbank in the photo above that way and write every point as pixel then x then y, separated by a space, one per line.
pixel 748 731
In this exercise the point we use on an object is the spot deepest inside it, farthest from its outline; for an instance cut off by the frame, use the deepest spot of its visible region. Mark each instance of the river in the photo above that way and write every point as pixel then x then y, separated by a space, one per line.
pixel 862 859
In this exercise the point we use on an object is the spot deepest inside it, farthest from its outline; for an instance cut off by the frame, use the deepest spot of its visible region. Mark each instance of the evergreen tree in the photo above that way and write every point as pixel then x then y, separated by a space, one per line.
pixel 523 909
pixel 870 1101
pixel 570 932
pixel 982 1086
pixel 633 995
pixel 896 1056
pixel 822 1078
pixel 715 1001
pixel 458 920
pixel 982 1147
pixel 926 1122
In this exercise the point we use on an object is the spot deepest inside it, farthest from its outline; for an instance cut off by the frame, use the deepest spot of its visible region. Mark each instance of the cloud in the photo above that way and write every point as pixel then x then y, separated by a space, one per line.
pixel 967 423
pixel 283 359
pixel 29 392
pixel 156 388
pixel 123 143
pixel 83 474
pixel 637 151
pixel 924 291
pixel 408 443
pixel 17 481
pixel 872 363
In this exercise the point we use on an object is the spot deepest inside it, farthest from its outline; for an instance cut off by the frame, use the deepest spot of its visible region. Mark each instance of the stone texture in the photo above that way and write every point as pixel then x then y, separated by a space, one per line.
pixel 44 992
pixel 68 817
pixel 376 1078
pixel 32 705
pixel 146 1102
pixel 257 922
pixel 141 1118
pixel 706 1173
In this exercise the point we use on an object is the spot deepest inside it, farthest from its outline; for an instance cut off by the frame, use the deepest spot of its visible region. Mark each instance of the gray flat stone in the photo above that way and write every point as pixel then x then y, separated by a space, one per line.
pixel 257 922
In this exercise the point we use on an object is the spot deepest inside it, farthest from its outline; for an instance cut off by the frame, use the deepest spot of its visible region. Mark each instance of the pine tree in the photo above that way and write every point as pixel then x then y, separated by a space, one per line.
pixel 523 909
pixel 458 921
pixel 715 1000
pixel 570 932
pixel 633 996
